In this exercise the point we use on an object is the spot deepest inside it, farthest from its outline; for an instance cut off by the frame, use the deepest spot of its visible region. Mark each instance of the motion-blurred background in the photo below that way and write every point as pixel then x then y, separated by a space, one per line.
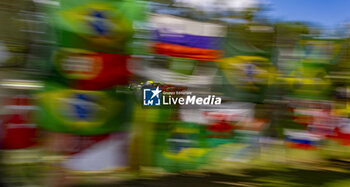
pixel 73 75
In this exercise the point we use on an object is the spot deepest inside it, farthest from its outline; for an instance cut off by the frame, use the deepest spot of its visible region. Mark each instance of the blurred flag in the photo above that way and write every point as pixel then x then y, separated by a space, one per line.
pixel 181 37
pixel 92 70
pixel 82 112
pixel 96 25
pixel 18 127
pixel 301 139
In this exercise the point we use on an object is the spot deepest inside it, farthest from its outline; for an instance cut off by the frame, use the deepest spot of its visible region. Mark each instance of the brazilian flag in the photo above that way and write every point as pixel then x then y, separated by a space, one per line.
pixel 247 70
pixel 314 58
pixel 97 25
pixel 81 112
pixel 180 146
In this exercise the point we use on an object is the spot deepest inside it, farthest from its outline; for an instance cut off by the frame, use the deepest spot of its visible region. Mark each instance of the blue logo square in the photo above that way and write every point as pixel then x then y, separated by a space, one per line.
pixel 151 96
